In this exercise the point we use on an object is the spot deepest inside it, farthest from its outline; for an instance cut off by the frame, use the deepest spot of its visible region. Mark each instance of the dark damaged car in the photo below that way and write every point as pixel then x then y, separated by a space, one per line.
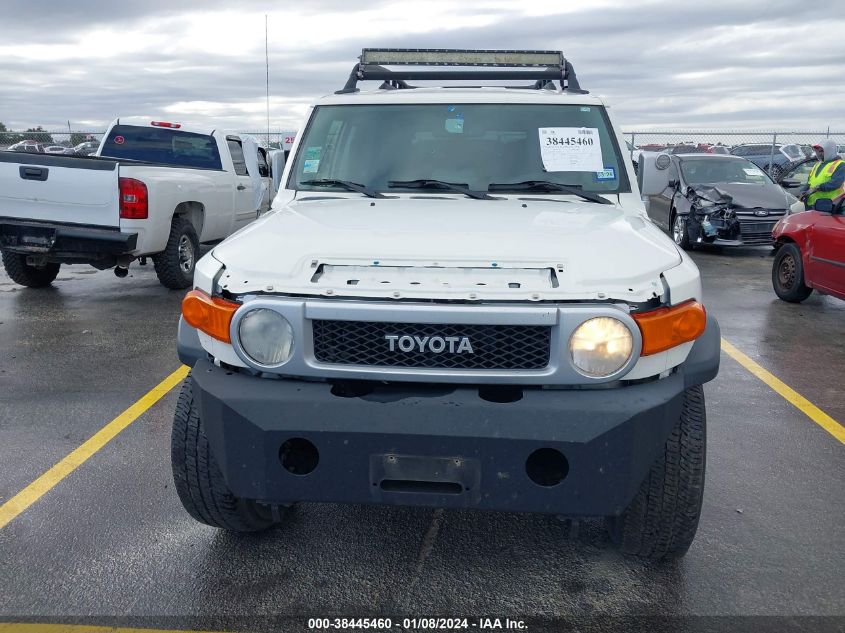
pixel 713 199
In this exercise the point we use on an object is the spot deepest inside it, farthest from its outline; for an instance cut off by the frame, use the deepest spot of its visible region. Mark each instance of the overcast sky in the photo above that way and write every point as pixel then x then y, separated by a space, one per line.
pixel 751 65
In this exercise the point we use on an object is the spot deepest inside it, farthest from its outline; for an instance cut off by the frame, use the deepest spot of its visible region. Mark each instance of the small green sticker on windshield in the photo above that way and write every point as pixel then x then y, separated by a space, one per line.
pixel 585 109
pixel 311 166
pixel 313 153
pixel 455 126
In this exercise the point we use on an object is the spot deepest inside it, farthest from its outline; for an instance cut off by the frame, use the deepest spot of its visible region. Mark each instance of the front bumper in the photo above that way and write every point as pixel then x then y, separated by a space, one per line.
pixel 64 242
pixel 732 232
pixel 444 445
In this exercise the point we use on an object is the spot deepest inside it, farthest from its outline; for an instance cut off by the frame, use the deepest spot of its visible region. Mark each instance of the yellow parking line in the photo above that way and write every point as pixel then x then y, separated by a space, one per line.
pixel 787 393
pixel 38 488
pixel 39 627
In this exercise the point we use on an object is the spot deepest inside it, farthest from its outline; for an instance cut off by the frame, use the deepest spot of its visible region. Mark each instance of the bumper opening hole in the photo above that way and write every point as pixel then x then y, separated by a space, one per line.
pixel 413 485
pixel 501 394
pixel 547 467
pixel 352 389
pixel 299 456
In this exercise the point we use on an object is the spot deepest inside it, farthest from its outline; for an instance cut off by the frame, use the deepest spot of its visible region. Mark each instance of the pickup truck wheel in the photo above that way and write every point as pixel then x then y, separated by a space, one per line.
pixel 661 521
pixel 175 264
pixel 788 274
pixel 199 482
pixel 30 276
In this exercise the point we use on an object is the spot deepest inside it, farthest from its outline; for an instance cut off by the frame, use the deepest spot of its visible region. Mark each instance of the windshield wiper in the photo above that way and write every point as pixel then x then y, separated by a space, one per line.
pixel 350 186
pixel 426 183
pixel 547 185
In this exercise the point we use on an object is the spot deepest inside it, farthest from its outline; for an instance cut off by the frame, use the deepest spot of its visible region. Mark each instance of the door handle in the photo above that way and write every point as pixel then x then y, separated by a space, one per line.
pixel 241 187
pixel 34 173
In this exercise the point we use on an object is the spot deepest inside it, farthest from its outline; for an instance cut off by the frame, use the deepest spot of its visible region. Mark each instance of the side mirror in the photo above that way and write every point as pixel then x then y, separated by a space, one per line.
pixel 277 166
pixel 789 184
pixel 825 205
pixel 263 163
pixel 654 173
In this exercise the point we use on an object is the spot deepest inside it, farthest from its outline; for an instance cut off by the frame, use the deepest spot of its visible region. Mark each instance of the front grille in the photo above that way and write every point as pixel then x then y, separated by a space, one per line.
pixel 493 346
pixel 756 232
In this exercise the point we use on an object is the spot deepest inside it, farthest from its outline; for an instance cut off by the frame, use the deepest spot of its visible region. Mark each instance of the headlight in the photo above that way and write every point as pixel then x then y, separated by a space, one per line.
pixel 601 346
pixel 265 336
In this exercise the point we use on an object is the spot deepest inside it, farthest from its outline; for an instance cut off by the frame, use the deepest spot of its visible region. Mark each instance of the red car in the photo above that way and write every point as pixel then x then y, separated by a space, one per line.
pixel 810 253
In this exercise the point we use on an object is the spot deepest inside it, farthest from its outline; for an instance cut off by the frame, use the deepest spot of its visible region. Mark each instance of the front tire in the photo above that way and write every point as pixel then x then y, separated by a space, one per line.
pixel 680 234
pixel 199 482
pixel 788 274
pixel 661 522
pixel 175 265
pixel 30 276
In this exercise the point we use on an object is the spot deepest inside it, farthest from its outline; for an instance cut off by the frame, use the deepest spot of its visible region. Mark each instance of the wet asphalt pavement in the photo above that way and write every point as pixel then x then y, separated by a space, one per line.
pixel 111 540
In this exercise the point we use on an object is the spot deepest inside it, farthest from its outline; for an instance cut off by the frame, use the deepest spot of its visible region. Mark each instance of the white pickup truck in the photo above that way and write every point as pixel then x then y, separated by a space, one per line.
pixel 153 188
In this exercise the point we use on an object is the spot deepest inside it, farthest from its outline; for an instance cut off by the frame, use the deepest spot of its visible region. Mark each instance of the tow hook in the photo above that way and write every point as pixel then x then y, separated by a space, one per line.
pixel 121 271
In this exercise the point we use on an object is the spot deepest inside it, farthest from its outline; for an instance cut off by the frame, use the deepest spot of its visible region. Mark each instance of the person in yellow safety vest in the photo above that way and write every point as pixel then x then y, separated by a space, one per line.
pixel 827 179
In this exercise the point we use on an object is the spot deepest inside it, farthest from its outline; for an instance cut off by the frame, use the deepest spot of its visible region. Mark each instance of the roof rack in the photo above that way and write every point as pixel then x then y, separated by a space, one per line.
pixel 544 67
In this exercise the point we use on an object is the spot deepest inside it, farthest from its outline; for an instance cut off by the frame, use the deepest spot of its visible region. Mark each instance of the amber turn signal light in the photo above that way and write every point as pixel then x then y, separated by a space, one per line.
pixel 211 315
pixel 666 328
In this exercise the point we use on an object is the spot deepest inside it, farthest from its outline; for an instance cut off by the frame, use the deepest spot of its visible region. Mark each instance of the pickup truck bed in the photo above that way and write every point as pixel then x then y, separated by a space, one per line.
pixel 160 191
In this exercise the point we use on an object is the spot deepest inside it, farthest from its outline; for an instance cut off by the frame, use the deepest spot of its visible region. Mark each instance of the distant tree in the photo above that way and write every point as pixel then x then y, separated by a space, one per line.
pixel 4 137
pixel 38 134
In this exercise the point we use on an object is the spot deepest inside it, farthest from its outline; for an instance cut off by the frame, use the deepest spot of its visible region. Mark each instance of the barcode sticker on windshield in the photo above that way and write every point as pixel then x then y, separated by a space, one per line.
pixel 570 149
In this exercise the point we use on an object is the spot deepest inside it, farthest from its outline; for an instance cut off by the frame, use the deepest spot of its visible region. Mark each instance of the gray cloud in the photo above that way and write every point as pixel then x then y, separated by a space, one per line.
pixel 716 65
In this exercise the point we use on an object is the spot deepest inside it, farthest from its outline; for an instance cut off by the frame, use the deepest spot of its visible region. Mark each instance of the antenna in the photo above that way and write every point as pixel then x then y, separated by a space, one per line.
pixel 267 67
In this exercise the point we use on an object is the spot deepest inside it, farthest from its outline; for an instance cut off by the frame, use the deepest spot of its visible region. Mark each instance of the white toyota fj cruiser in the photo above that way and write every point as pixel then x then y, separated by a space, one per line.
pixel 457 300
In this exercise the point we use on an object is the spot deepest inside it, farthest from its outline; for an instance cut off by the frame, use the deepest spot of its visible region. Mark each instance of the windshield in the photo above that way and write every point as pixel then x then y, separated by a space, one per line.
pixel 473 145
pixel 162 145
pixel 701 171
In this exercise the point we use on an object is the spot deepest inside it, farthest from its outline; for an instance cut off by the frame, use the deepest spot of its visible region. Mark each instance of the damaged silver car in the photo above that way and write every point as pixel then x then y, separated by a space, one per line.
pixel 712 199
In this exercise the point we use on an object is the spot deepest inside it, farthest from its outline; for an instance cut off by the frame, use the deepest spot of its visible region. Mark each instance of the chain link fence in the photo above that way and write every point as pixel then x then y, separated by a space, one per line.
pixel 774 152
pixel 58 142
pixel 39 140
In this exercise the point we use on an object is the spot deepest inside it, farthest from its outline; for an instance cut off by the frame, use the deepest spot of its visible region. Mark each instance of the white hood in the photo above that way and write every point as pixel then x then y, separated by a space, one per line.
pixel 433 248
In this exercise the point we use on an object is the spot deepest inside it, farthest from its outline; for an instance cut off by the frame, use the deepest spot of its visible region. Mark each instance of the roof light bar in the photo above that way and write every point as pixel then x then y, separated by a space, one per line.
pixel 541 67
pixel 448 57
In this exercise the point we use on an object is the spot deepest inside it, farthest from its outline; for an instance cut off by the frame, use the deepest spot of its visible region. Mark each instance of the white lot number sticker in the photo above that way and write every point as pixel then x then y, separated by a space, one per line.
pixel 571 149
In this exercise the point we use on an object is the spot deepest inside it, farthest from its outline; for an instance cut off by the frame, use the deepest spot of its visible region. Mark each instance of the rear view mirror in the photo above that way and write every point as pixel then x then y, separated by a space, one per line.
pixel 654 173
pixel 825 205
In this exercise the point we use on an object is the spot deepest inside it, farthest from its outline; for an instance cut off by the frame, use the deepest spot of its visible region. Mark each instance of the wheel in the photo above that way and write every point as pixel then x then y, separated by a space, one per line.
pixel 174 266
pixel 30 276
pixel 199 482
pixel 788 274
pixel 679 231
pixel 661 521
